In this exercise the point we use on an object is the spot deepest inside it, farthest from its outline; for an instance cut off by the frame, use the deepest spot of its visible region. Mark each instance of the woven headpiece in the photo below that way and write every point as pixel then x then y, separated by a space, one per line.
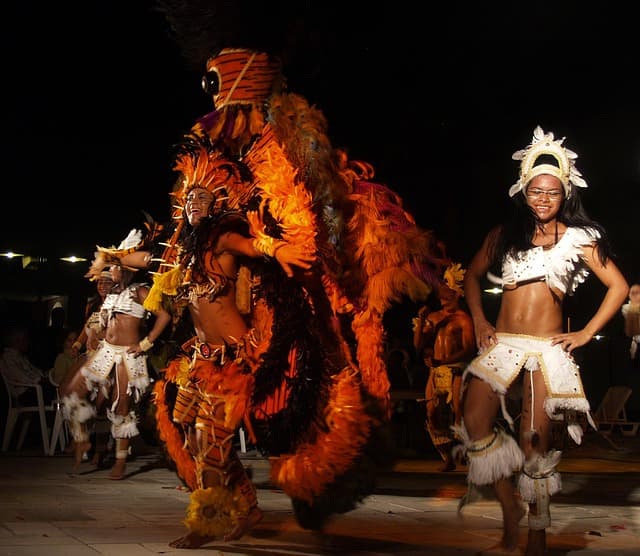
pixel 545 144
pixel 244 76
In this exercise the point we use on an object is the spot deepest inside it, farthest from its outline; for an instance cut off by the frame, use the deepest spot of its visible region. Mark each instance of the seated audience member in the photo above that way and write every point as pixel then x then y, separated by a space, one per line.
pixel 66 359
pixel 19 371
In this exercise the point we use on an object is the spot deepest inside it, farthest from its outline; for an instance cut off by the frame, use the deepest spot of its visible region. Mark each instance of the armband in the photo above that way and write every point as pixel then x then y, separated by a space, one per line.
pixel 267 245
pixel 145 344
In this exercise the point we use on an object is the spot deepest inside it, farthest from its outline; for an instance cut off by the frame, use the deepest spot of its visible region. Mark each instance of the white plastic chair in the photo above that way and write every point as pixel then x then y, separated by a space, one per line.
pixel 612 412
pixel 60 430
pixel 17 409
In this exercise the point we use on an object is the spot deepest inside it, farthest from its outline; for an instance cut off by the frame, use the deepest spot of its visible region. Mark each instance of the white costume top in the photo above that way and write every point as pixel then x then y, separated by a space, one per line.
pixel 561 266
pixel 124 302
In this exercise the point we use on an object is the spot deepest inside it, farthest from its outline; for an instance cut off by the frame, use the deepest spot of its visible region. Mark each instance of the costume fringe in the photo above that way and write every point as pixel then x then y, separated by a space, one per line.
pixel 215 511
pixel 555 408
pixel 163 284
pixel 540 468
pixel 369 331
pixel 137 388
pixel 496 457
pixel 123 426
pixel 288 202
pixel 391 285
pixel 305 474
pixel 527 486
pixel 173 436
pixel 76 410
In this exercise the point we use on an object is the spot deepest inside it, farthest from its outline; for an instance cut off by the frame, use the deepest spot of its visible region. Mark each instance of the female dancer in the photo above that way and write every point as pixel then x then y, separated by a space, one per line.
pixel 545 250
pixel 117 370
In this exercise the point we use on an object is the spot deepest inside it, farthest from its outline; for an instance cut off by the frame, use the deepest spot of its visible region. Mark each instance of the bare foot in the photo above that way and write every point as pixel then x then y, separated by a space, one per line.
pixel 191 540
pixel 511 520
pixel 196 540
pixel 448 465
pixel 117 471
pixel 536 542
pixel 244 525
pixel 79 449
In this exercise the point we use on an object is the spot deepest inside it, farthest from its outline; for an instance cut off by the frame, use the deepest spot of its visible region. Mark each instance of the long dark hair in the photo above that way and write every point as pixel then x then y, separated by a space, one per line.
pixel 202 239
pixel 517 232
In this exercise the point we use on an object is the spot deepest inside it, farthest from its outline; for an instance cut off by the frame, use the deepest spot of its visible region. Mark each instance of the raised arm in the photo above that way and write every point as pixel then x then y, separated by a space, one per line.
pixel 289 255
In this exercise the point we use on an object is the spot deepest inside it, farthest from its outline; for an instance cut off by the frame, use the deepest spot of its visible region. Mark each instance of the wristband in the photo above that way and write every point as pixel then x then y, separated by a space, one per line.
pixel 267 245
pixel 145 344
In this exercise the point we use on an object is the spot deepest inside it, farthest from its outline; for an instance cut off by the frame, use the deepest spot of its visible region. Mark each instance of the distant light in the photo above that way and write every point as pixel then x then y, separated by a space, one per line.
pixel 11 254
pixel 494 291
pixel 598 337
pixel 73 259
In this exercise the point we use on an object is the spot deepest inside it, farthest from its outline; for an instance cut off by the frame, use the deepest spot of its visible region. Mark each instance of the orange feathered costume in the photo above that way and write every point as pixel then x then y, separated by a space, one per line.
pixel 316 397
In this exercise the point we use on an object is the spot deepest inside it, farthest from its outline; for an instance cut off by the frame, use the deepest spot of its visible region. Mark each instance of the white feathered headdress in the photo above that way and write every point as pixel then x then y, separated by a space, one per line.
pixel 545 144
pixel 105 256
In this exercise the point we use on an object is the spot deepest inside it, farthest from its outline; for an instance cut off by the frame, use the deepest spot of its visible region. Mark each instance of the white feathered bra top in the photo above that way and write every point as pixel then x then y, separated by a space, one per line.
pixel 561 266
pixel 125 302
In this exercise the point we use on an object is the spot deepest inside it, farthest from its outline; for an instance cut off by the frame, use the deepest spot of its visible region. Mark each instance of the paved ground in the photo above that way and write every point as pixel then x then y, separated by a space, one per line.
pixel 46 510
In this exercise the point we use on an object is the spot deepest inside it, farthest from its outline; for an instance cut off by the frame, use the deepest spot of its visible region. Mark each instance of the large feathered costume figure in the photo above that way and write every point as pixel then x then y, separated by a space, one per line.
pixel 317 398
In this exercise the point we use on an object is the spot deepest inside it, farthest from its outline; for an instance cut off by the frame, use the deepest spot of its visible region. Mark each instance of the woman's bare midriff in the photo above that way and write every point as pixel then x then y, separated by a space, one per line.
pixel 531 309
pixel 123 330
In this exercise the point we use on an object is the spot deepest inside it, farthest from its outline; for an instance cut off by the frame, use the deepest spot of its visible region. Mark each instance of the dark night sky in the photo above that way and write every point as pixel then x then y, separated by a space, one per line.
pixel 95 96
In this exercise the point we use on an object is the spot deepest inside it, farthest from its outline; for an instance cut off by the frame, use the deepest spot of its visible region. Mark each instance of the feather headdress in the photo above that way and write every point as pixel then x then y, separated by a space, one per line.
pixel 454 277
pixel 105 256
pixel 545 144
pixel 135 240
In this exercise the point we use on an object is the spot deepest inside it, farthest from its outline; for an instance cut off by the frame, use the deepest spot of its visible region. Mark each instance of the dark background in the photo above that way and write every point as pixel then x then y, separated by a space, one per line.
pixel 436 98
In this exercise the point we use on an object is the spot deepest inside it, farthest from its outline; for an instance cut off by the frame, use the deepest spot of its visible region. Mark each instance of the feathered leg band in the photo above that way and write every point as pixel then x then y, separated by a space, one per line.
pixel 497 456
pixel 538 481
pixel 77 412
